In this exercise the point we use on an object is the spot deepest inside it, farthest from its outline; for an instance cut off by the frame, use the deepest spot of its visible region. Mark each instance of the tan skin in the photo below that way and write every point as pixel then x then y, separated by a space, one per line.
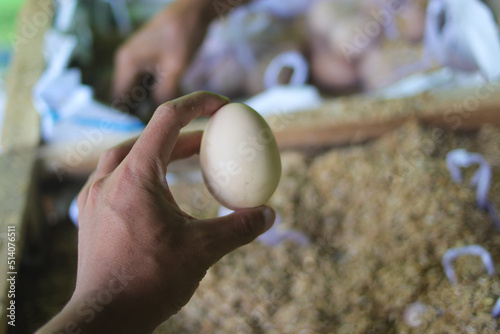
pixel 165 46
pixel 140 257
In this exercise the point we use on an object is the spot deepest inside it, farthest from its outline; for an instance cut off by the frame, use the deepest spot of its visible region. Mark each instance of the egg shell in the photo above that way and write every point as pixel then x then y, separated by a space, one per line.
pixel 239 157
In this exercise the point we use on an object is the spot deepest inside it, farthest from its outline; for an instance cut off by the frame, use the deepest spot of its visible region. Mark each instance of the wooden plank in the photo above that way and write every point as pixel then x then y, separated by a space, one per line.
pixel 21 127
pixel 345 121
pixel 16 176
pixel 20 138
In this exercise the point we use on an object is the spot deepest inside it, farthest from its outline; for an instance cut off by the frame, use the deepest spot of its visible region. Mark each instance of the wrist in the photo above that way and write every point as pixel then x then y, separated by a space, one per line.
pixel 95 313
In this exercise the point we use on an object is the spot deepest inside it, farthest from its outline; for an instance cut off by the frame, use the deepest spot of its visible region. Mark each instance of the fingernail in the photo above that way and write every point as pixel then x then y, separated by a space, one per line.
pixel 269 217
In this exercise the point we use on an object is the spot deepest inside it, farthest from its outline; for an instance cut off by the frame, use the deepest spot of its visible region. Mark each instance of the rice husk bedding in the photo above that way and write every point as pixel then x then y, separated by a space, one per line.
pixel 380 216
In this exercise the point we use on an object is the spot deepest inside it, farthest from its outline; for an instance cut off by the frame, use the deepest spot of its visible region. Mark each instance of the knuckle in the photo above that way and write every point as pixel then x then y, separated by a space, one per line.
pixel 95 189
pixel 170 111
pixel 112 156
pixel 167 108
pixel 123 191
pixel 129 174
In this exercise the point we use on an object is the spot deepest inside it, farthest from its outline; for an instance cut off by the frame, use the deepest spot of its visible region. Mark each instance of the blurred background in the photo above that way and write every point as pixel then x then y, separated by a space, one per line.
pixel 295 60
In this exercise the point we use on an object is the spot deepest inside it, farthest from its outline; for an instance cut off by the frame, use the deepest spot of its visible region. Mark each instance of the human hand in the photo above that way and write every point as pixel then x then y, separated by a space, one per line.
pixel 163 47
pixel 140 257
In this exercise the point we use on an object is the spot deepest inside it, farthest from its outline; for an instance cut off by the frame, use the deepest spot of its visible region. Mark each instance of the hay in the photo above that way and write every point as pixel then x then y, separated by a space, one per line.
pixel 380 215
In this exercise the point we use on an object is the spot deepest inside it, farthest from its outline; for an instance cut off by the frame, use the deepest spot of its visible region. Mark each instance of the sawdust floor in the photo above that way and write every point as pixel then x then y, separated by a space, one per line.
pixel 380 216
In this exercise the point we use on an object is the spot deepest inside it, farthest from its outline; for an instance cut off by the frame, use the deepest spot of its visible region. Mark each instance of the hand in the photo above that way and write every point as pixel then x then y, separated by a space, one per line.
pixel 140 258
pixel 163 47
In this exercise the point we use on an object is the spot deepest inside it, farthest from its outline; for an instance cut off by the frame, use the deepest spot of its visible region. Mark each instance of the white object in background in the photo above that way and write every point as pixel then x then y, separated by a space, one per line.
pixel 171 179
pixel 276 234
pixel 58 50
pixel 73 211
pixel 285 99
pixel 69 112
pixel 65 15
pixel 3 101
pixel 5 56
pixel 482 178
pixel 90 120
pixel 291 59
pixel 122 16
pixel 284 9
pixel 289 98
pixel 67 108
pixel 441 79
pixel 453 253
pixel 463 35
pixel 72 21
pixel 415 84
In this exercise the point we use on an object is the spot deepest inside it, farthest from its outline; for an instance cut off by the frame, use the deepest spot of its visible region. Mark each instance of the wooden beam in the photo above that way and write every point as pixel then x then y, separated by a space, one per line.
pixel 356 119
pixel 350 120
pixel 16 182
pixel 21 126
pixel 20 138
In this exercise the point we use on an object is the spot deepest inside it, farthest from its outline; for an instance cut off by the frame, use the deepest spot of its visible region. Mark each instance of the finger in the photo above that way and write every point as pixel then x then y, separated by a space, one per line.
pixel 110 159
pixel 126 73
pixel 225 234
pixel 156 143
pixel 167 81
pixel 187 144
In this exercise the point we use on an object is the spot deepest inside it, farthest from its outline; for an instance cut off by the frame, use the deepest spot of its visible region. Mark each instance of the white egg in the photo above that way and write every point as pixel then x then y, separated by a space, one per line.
pixel 239 157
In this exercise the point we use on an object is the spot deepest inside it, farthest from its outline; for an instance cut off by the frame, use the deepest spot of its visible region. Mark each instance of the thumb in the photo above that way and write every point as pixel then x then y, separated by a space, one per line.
pixel 224 234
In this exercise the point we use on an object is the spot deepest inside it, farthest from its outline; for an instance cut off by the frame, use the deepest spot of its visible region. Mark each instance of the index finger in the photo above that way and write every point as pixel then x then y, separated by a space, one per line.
pixel 126 72
pixel 155 145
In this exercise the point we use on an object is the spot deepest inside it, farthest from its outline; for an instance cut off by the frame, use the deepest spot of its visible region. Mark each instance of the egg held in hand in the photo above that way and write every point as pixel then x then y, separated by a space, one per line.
pixel 239 157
